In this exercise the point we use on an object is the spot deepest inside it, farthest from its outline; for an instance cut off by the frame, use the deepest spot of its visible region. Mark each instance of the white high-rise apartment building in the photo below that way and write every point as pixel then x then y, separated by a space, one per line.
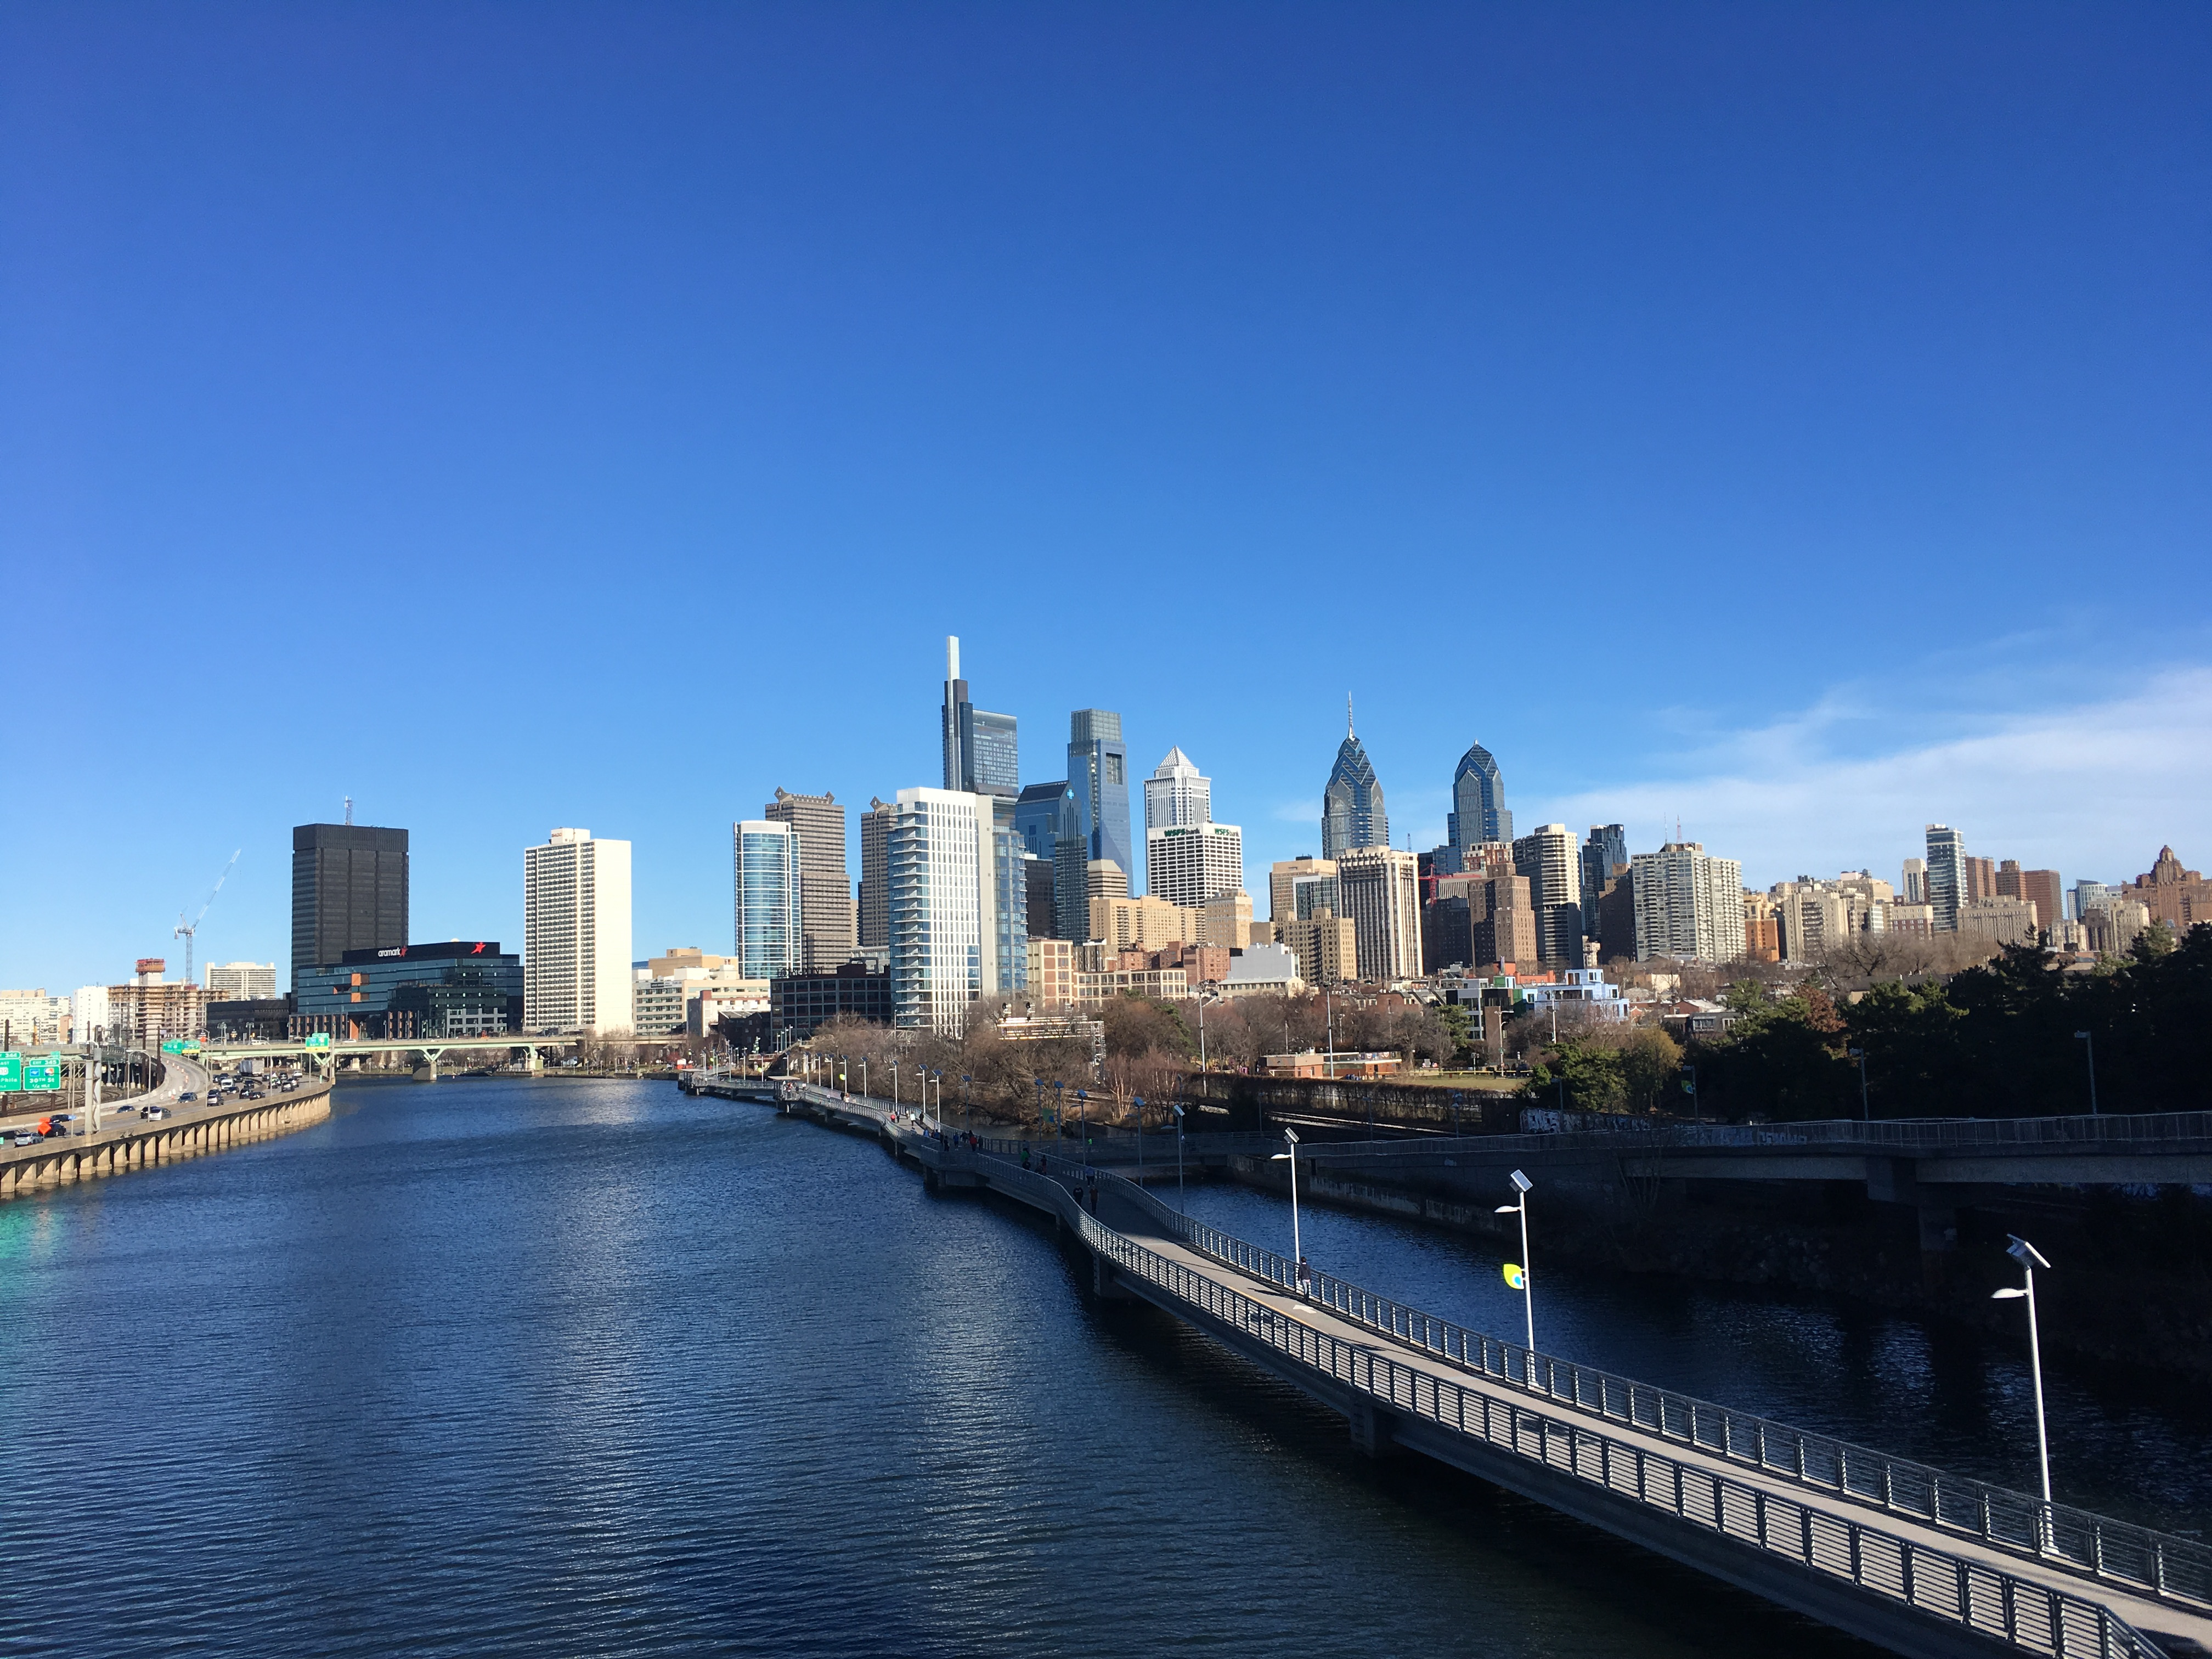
pixel 1195 864
pixel 943 897
pixel 1688 906
pixel 766 882
pixel 1176 793
pixel 31 1015
pixel 241 982
pixel 88 1013
pixel 1380 889
pixel 576 934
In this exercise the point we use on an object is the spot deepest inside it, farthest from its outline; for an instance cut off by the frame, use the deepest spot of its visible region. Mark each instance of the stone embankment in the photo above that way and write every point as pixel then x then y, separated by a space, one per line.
pixel 192 1132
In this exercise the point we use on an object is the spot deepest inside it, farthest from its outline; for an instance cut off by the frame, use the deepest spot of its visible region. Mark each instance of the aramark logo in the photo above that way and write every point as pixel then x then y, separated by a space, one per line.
pixel 397 951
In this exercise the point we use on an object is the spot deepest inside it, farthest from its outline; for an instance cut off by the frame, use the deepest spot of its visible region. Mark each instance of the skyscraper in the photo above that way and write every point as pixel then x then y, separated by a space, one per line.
pixel 982 753
pixel 1688 906
pixel 1298 887
pixel 1177 793
pixel 1098 773
pixel 1477 811
pixel 575 934
pixel 1352 811
pixel 1380 889
pixel 1605 851
pixel 1195 864
pixel 826 921
pixel 348 892
pixel 1050 826
pixel 1552 863
pixel 875 908
pixel 953 927
pixel 767 884
pixel 1946 876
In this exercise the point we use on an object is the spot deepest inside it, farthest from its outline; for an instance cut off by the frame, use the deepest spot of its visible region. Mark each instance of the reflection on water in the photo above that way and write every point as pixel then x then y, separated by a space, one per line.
pixel 566 1367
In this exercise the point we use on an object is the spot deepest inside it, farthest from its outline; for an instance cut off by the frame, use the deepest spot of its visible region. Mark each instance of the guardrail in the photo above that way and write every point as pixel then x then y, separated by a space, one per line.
pixel 2076 1540
pixel 1982 1598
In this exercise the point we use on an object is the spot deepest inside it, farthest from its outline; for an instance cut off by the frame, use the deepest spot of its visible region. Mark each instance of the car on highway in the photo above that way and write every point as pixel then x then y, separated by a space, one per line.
pixel 24 1138
pixel 187 1095
pixel 157 1111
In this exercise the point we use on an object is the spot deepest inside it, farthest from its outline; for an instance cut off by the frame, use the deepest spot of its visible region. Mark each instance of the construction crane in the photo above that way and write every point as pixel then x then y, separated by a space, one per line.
pixel 189 932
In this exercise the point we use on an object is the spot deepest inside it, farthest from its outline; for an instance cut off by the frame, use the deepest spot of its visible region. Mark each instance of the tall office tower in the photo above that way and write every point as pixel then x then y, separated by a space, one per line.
pixel 1552 863
pixel 1050 826
pixel 1945 876
pixel 982 753
pixel 348 892
pixel 1502 921
pixel 1177 793
pixel 1381 891
pixel 1352 811
pixel 1605 854
pixel 1040 893
pixel 1325 949
pixel 1914 889
pixel 1688 906
pixel 2039 887
pixel 1195 863
pixel 1478 810
pixel 1981 878
pixel 875 906
pixel 826 922
pixel 1297 887
pixel 575 934
pixel 946 927
pixel 1102 879
pixel 1098 773
pixel 767 878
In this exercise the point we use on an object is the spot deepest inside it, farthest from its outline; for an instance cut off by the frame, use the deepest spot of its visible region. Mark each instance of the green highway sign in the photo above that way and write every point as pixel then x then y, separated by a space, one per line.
pixel 42 1073
pixel 174 1046
pixel 319 1040
pixel 11 1071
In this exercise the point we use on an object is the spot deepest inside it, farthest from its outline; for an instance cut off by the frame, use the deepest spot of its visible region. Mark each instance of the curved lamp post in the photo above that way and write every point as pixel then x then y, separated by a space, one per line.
pixel 2030 1258
pixel 1521 1184
pixel 1298 1248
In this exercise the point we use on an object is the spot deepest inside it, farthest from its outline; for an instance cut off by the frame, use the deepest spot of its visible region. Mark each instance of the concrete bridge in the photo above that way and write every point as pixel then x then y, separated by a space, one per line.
pixel 131 1142
pixel 1919 1561
pixel 431 1048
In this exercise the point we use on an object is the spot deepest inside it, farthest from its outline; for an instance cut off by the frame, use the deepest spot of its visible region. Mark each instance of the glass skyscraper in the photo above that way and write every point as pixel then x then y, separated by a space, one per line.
pixel 1352 811
pixel 1098 773
pixel 767 897
pixel 1050 827
pixel 1478 810
pixel 981 750
pixel 1946 875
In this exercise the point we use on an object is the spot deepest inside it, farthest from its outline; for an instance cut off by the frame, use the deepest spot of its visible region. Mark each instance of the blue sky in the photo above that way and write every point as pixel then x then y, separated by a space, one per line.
pixel 1789 419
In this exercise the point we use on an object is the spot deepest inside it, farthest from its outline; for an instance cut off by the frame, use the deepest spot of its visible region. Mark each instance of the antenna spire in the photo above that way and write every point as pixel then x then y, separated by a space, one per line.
pixel 349 801
pixel 1348 731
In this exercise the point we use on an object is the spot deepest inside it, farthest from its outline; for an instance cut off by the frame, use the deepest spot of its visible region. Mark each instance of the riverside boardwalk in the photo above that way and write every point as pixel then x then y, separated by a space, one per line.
pixel 1910 1558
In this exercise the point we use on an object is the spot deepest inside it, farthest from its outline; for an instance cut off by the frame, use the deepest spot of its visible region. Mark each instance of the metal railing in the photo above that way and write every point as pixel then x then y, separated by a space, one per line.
pixel 2074 1540
pixel 1983 1598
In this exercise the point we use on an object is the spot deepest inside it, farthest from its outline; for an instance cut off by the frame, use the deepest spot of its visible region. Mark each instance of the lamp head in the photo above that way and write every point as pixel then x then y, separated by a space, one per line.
pixel 2081 1036
pixel 2024 1253
pixel 1291 1135
pixel 1509 1209
pixel 2006 1296
pixel 1521 1182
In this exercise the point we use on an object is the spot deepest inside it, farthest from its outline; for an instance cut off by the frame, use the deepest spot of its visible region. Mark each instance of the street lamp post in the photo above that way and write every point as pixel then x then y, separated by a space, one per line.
pixel 2030 1258
pixel 1859 1055
pixel 1521 1184
pixel 1180 1205
pixel 2091 1044
pixel 1138 1102
pixel 864 1078
pixel 1059 1109
pixel 1697 1113
pixel 1298 1249
pixel 1083 1122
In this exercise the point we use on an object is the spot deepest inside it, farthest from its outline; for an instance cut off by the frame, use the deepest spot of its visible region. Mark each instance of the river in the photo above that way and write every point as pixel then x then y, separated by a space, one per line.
pixel 575 1367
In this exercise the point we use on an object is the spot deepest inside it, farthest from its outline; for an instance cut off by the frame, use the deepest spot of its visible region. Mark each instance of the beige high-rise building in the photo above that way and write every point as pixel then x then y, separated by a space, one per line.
pixel 875 906
pixel 1144 924
pixel 1105 878
pixel 576 934
pixel 1326 948
pixel 1052 973
pixel 1226 921
pixel 240 981
pixel 826 926
pixel 1283 877
pixel 1380 889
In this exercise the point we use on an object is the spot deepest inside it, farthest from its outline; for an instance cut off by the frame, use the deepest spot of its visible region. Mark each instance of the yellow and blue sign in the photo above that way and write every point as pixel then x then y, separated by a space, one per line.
pixel 1514 1277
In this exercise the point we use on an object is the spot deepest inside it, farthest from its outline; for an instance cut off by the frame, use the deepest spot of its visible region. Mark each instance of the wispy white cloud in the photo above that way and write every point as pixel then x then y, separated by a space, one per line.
pixel 2092 789
pixel 1297 811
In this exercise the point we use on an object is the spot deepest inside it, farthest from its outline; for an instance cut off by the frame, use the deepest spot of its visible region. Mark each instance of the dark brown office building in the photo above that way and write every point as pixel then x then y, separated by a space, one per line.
pixel 348 892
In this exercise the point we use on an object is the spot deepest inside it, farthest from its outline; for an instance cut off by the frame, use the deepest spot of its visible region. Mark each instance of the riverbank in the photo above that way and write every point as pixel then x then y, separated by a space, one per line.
pixel 187 1131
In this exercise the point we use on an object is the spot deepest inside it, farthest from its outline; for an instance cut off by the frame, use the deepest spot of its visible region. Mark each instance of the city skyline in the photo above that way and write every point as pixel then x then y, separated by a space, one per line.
pixel 1285 833
pixel 719 326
